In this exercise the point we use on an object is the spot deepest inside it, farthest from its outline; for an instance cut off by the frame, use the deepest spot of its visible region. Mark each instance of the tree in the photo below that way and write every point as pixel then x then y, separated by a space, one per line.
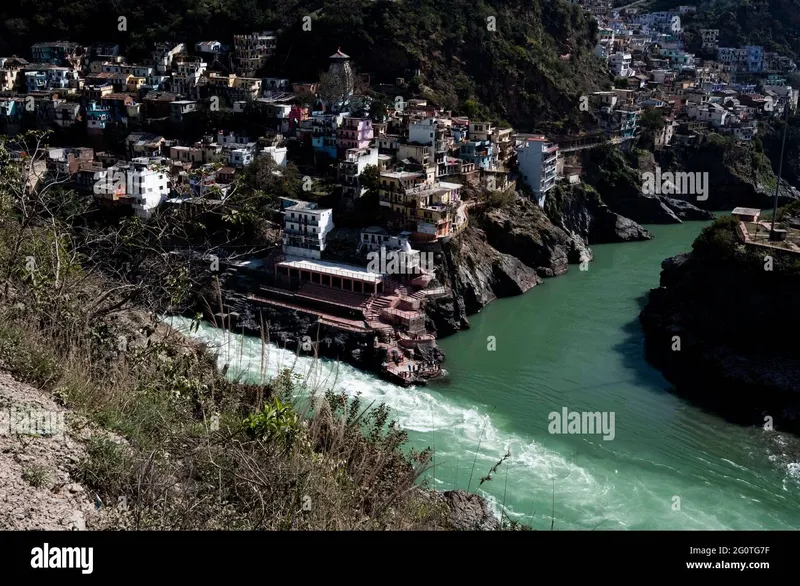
pixel 370 178
pixel 334 90
pixel 652 120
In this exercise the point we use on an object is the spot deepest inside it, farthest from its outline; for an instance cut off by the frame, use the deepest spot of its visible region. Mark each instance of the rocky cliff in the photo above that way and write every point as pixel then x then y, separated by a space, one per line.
pixel 722 328
pixel 619 177
pixel 505 251
pixel 738 172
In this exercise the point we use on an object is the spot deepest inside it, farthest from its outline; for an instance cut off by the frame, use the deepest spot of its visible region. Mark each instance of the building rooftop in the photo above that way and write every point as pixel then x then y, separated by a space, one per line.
pixel 401 175
pixel 332 268
pixel 746 211
pixel 304 206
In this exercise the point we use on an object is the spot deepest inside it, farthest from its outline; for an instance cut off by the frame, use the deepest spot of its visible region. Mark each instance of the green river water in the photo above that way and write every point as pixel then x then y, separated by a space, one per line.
pixel 574 342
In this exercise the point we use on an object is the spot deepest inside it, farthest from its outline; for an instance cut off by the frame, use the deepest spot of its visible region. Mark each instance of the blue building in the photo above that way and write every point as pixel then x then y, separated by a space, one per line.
pixel 480 152
pixel 755 58
pixel 11 110
pixel 97 117
pixel 537 158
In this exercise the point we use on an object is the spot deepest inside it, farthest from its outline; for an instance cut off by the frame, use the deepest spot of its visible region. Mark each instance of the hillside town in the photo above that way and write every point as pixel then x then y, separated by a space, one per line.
pixel 130 122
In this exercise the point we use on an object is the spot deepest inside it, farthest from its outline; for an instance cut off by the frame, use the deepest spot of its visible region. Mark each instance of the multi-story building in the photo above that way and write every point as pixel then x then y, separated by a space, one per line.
pixel 538 158
pixel 354 133
pixel 185 79
pixel 12 73
pixel 164 53
pixel 430 209
pixel 351 168
pixel 620 64
pixel 103 52
pixel 375 237
pixel 180 108
pixel 479 152
pixel 755 58
pixel 252 51
pixel 710 38
pixel 665 22
pixel 324 130
pixel 233 88
pixel 97 117
pixel 140 182
pixel 425 131
pixel 305 229
pixel 56 53
pixel 43 77
pixel 275 85
pixel 147 185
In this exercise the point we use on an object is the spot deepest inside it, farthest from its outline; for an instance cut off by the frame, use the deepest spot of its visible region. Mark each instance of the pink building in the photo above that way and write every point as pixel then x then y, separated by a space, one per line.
pixel 354 133
pixel 296 115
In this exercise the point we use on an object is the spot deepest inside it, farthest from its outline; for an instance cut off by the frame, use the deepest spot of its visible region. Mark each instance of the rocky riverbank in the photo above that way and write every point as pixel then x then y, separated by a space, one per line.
pixel 722 324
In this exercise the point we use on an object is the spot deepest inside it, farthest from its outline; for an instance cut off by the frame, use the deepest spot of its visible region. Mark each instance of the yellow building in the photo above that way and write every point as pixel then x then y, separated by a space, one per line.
pixel 431 207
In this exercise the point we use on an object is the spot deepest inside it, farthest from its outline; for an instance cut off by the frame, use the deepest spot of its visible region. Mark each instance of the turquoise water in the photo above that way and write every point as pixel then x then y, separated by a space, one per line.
pixel 573 342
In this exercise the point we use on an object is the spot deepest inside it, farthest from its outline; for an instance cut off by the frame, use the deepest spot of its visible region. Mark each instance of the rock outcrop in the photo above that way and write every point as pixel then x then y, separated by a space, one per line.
pixel 580 210
pixel 470 512
pixel 722 329
pixel 505 251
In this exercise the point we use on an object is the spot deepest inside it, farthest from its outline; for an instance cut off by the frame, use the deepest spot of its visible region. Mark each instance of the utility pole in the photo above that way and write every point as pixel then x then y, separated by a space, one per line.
pixel 772 235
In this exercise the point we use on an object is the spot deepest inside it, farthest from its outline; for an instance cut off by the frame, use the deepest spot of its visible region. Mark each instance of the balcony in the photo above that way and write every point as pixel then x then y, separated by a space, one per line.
pixel 312 223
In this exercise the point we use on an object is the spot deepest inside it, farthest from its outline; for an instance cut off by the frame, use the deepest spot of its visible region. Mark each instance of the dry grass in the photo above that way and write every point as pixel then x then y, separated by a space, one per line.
pixel 326 462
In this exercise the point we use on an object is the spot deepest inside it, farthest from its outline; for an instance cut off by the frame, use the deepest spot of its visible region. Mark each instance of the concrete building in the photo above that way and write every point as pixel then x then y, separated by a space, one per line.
pixel 430 209
pixel 620 64
pixel 147 185
pixel 537 159
pixel 710 38
pixel 350 169
pixel 164 53
pixel 252 51
pixel 56 53
pixel 180 108
pixel 375 237
pixel 354 133
pixel 305 229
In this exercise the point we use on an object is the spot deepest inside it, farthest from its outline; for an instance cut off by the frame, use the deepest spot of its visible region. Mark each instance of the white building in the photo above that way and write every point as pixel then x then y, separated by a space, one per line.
pixel 147 185
pixel 305 228
pixel 375 237
pixel 164 53
pixel 665 22
pixel 538 159
pixel 210 47
pixel 241 157
pixel 423 131
pixel 350 169
pixel 140 182
pixel 620 64
pixel 278 154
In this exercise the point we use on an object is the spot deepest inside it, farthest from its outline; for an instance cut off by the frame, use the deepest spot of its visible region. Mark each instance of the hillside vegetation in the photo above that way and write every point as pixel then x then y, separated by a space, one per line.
pixel 528 66
pixel 773 24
